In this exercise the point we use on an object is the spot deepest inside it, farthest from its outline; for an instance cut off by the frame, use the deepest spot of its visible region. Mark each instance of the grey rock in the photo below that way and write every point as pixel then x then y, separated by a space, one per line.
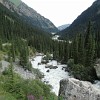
pixel 73 89
pixel 51 66
pixel 39 63
pixel 44 61
pixel 48 71
pixel 25 74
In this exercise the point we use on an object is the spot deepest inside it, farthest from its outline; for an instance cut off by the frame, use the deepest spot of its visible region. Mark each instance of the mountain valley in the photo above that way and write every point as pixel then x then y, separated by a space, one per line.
pixel 39 61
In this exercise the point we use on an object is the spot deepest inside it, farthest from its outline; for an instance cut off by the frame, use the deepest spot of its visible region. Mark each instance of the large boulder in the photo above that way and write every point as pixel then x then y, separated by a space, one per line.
pixel 73 89
pixel 97 67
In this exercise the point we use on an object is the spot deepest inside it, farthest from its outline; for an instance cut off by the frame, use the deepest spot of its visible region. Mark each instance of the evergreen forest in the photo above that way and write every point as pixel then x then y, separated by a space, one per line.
pixel 20 40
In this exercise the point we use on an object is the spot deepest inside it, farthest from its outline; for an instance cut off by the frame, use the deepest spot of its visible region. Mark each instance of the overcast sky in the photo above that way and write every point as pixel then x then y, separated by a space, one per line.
pixel 59 11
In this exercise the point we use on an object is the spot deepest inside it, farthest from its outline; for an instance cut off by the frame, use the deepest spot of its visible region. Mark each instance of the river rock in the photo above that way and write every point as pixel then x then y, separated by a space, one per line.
pixel 51 66
pixel 97 67
pixel 48 71
pixel 73 89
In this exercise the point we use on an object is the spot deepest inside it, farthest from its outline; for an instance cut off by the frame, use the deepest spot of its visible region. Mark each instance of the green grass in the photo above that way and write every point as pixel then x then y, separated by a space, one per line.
pixel 22 89
pixel 5 95
pixel 16 2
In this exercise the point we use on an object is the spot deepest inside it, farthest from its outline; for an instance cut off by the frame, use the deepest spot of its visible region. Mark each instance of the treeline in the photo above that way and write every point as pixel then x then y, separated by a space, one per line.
pixel 85 49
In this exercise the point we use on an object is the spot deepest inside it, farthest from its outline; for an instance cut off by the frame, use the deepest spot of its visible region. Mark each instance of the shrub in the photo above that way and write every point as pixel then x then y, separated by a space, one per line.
pixel 29 66
pixel 37 73
pixel 21 89
pixel 70 63
pixel 79 71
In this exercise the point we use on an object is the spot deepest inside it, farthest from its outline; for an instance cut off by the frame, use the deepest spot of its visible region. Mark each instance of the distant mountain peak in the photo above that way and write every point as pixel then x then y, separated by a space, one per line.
pixel 62 27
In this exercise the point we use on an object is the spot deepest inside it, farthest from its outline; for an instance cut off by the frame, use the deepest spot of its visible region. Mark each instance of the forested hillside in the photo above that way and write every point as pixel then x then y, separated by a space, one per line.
pixel 22 36
pixel 79 25
pixel 13 29
pixel 21 40
pixel 29 15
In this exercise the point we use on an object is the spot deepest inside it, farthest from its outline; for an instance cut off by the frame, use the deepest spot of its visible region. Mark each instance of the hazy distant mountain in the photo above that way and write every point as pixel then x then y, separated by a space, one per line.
pixel 62 27
pixel 80 23
pixel 29 15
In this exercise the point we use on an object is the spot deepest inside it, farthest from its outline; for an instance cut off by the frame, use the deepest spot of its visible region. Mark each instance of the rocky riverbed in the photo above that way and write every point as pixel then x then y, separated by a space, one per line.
pixel 52 76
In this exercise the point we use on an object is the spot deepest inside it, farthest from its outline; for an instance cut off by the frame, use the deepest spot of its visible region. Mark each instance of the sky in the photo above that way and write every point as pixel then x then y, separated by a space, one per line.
pixel 59 11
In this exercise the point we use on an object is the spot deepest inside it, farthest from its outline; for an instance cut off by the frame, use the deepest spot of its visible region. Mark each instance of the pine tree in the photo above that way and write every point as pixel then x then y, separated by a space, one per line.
pixel 81 50
pixel 24 54
pixel 13 51
pixel 9 84
pixel 89 56
pixel 66 51
pixel 90 51
pixel 75 50
pixel 89 47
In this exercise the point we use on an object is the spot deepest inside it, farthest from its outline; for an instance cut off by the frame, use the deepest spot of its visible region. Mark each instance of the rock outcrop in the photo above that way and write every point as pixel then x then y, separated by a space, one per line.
pixel 73 89
pixel 30 15
pixel 97 68
pixel 25 74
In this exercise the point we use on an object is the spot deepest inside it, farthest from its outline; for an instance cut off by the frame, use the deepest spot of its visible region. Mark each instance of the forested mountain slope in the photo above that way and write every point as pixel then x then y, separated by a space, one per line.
pixel 29 15
pixel 15 29
pixel 80 23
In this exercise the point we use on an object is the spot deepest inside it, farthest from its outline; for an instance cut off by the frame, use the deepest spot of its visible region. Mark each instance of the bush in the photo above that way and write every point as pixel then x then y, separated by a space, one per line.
pixel 48 57
pixel 79 71
pixel 37 73
pixel 70 63
pixel 0 64
pixel 29 66
pixel 7 96
pixel 3 94
pixel 21 89
pixel 37 89
pixel 6 71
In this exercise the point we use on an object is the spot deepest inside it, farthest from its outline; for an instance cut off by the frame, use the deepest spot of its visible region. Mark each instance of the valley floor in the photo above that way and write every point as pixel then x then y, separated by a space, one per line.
pixel 53 76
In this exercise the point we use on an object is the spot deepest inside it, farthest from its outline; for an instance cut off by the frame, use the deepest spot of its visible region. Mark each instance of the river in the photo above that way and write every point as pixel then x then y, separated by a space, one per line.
pixel 53 76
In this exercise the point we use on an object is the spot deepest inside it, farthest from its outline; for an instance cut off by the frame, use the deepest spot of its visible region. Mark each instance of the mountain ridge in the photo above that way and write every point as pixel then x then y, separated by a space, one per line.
pixel 30 15
pixel 79 25
pixel 62 27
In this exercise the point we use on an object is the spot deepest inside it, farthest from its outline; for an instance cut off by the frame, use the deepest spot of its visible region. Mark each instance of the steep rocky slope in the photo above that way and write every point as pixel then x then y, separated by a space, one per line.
pixel 29 15
pixel 73 89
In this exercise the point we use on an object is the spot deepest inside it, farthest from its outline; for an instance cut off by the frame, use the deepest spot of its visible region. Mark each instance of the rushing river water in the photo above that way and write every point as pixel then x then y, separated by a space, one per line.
pixel 53 76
